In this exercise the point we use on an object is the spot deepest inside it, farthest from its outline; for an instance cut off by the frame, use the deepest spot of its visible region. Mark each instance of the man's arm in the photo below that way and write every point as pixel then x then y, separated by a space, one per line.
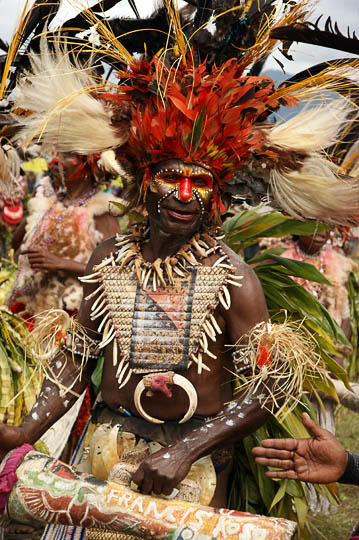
pixel 66 372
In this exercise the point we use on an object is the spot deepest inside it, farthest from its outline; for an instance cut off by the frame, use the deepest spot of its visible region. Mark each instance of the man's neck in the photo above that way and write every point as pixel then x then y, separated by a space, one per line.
pixel 161 244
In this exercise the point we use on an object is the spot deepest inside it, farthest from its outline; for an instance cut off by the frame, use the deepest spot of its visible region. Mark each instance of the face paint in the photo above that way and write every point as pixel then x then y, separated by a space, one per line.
pixel 186 181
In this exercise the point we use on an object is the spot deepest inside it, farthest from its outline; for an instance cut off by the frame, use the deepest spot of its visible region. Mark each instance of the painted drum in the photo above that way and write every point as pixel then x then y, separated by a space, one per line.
pixel 50 491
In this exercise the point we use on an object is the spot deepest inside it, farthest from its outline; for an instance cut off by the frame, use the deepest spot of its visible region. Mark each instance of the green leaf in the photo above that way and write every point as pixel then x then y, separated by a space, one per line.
pixel 247 227
pixel 266 255
pixel 195 135
pixel 133 214
pixel 301 269
pixel 301 507
pixel 280 494
pixel 294 488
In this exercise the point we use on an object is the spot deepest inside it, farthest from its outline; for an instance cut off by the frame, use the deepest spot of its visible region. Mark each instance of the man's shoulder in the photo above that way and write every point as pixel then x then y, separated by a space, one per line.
pixel 103 250
pixel 242 268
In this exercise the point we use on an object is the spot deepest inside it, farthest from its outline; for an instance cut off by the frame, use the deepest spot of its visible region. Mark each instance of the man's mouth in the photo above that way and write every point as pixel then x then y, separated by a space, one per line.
pixel 181 214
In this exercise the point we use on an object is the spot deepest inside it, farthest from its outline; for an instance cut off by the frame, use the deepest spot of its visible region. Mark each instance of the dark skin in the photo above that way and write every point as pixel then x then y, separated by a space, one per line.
pixel 231 423
pixel 320 459
pixel 313 244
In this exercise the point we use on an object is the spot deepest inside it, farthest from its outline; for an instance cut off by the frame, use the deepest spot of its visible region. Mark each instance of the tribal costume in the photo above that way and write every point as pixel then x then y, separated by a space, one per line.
pixel 180 128
pixel 67 231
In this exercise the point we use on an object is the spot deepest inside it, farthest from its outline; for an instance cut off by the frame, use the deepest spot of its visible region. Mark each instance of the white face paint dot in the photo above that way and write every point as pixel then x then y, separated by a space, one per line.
pixel 229 423
pixel 58 364
pixel 204 429
pixel 209 425
pixel 166 456
pixel 241 415
pixel 48 414
pixel 66 403
pixel 47 389
pixel 35 416
pixel 231 405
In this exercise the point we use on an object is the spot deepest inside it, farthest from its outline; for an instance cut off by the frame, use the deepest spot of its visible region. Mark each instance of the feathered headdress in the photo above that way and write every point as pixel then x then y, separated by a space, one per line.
pixel 177 106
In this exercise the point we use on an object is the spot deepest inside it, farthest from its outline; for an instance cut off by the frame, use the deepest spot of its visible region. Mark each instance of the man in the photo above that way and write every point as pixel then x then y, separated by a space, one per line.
pixel 179 219
pixel 169 301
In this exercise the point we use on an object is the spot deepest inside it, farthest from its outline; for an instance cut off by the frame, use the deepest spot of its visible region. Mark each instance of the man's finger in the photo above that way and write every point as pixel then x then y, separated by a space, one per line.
pixel 292 475
pixel 138 476
pixel 167 489
pixel 285 464
pixel 36 258
pixel 272 453
pixel 280 444
pixel 29 251
pixel 313 428
pixel 158 486
pixel 147 485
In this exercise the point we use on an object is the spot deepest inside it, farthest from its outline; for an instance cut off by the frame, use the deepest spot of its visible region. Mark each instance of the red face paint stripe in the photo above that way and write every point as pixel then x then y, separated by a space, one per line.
pixel 185 189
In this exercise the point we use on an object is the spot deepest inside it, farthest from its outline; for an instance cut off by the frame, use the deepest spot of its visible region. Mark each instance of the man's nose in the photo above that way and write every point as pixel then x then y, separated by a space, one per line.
pixel 185 190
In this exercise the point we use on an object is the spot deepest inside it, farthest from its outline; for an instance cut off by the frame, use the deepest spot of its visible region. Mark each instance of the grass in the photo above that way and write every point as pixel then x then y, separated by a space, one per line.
pixel 339 524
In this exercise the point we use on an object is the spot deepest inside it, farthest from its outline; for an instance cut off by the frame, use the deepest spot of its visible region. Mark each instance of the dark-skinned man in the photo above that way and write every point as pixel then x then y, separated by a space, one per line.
pixel 174 310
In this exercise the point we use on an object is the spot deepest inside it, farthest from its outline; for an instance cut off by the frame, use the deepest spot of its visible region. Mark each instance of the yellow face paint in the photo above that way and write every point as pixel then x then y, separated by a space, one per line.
pixel 187 181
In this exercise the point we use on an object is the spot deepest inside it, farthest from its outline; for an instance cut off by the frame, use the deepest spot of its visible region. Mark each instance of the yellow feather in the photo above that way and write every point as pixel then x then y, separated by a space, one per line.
pixel 14 46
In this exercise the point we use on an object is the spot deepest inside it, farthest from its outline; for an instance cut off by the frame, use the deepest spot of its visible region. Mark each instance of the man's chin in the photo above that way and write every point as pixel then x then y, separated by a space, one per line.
pixel 178 226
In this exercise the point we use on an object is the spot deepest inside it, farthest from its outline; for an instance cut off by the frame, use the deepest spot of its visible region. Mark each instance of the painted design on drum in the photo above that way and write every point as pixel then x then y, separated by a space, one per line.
pixel 50 491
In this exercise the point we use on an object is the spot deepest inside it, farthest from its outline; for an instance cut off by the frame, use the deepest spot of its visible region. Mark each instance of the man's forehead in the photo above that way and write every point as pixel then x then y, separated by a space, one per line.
pixel 179 164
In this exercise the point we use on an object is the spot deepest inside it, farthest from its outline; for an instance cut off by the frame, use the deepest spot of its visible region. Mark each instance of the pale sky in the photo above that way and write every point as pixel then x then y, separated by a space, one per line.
pixel 345 12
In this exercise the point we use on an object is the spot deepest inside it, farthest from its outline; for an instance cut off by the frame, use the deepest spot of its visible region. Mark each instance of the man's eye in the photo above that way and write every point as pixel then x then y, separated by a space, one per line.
pixel 169 178
pixel 201 182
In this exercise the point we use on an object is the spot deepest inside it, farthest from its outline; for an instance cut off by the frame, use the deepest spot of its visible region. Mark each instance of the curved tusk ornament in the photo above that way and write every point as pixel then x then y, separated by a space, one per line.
pixel 179 380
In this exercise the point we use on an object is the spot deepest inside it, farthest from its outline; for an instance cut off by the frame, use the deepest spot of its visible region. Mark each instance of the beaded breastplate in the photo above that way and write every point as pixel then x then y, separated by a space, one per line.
pixel 160 315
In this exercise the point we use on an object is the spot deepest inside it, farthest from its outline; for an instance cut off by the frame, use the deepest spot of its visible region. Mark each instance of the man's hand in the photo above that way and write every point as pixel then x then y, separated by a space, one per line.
pixel 10 437
pixel 41 259
pixel 320 459
pixel 162 471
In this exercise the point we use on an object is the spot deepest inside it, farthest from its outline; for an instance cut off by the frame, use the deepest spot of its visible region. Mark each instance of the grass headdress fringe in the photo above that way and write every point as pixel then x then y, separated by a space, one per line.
pixel 284 362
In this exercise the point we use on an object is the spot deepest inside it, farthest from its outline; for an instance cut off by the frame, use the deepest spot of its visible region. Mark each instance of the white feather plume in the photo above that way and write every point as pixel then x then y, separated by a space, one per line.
pixel 9 169
pixel 64 113
pixel 312 129
pixel 316 191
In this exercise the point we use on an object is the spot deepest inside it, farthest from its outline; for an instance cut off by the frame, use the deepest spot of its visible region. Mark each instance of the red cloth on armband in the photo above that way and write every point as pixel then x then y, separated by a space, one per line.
pixel 8 475
pixel 264 357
